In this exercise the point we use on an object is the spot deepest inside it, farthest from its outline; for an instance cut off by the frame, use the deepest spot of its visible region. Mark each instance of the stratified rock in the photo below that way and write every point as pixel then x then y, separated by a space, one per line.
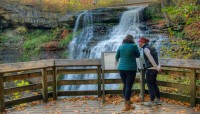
pixel 32 17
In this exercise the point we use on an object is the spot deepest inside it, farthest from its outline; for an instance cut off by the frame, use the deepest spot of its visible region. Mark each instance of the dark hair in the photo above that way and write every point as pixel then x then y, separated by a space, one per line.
pixel 128 39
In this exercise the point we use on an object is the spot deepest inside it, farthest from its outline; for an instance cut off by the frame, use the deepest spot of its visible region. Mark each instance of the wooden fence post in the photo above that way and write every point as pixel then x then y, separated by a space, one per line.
pixel 54 83
pixel 99 80
pixel 2 103
pixel 44 85
pixel 103 86
pixel 193 88
pixel 142 84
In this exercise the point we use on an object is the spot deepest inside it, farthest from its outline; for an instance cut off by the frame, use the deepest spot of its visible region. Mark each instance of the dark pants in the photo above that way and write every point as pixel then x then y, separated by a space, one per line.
pixel 128 78
pixel 151 76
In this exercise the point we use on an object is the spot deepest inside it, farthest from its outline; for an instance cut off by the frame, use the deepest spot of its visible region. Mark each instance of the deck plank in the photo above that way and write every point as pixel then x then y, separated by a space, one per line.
pixel 94 106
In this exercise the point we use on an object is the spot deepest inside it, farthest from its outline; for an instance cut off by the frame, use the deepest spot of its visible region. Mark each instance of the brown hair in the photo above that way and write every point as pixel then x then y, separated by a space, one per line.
pixel 128 39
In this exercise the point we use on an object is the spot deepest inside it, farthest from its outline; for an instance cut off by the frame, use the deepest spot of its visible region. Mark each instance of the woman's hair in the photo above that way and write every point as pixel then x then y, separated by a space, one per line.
pixel 143 40
pixel 128 39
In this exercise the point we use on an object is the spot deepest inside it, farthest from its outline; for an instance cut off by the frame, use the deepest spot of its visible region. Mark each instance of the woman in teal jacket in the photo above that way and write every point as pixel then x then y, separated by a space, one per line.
pixel 126 55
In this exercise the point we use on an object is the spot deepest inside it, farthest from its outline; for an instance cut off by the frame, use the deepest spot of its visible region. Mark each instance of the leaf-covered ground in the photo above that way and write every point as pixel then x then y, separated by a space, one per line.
pixel 92 104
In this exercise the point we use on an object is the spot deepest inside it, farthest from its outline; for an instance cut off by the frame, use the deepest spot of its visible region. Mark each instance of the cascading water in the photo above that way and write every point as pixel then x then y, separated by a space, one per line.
pixel 80 45
pixel 129 24
pixel 79 42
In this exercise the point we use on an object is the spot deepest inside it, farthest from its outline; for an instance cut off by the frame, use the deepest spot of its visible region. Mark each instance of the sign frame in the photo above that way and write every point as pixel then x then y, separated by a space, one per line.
pixel 105 57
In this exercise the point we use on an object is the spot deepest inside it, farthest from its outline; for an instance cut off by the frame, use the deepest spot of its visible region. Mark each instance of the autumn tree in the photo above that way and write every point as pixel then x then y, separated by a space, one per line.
pixel 167 18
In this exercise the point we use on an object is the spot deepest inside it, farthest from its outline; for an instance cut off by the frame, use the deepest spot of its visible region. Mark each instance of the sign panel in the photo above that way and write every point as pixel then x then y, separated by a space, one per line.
pixel 108 61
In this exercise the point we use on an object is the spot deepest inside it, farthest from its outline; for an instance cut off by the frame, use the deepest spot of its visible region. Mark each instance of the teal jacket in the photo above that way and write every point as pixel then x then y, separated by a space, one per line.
pixel 126 55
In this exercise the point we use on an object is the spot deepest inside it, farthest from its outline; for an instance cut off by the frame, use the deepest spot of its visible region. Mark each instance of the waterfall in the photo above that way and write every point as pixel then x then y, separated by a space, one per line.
pixel 130 23
pixel 79 42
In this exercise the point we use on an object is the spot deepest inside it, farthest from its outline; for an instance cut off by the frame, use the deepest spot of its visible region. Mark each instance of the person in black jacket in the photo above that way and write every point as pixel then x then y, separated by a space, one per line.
pixel 152 68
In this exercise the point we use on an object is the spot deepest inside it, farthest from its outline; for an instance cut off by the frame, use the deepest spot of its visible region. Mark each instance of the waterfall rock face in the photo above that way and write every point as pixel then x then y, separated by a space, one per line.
pixel 3 22
pixel 98 36
pixel 16 14
pixel 32 17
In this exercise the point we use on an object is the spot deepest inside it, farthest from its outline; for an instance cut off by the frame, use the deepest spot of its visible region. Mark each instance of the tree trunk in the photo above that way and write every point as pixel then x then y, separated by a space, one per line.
pixel 165 14
pixel 170 2
pixel 176 2
pixel 41 3
pixel 198 2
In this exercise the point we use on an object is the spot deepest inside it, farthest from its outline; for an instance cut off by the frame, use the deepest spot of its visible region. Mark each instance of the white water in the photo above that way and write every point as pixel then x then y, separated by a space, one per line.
pixel 129 24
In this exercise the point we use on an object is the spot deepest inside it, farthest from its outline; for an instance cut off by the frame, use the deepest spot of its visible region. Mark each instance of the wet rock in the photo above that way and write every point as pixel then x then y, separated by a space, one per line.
pixel 32 17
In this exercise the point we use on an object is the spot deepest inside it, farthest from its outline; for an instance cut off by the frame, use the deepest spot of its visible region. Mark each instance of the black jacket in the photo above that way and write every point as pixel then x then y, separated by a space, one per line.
pixel 154 54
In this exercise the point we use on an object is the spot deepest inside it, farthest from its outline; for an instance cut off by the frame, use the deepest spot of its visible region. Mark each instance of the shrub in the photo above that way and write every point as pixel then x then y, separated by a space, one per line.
pixel 21 30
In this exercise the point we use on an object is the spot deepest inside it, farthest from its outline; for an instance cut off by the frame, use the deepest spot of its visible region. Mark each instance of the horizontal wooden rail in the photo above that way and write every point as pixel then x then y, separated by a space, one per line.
pixel 119 91
pixel 180 63
pixel 80 62
pixel 24 88
pixel 76 82
pixel 85 82
pixel 23 66
pixel 173 85
pixel 77 93
pixel 52 68
pixel 23 100
pixel 21 76
pixel 76 71
pixel 32 74
pixel 173 72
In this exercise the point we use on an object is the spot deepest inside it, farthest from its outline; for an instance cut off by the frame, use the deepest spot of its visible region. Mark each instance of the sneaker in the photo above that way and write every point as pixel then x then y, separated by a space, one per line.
pixel 158 102
pixel 150 103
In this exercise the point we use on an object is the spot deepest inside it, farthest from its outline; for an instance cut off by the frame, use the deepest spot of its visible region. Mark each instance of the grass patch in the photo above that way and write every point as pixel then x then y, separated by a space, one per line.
pixel 64 42
pixel 4 38
pixel 34 42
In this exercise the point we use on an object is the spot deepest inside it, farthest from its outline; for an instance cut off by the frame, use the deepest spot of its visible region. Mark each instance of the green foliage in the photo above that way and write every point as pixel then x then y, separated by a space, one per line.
pixel 21 30
pixel 156 19
pixel 184 10
pixel 182 14
pixel 178 49
pixel 19 83
pixel 175 33
pixel 192 20
pixel 65 41
pixel 198 82
pixel 174 79
pixel 10 37
pixel 153 12
pixel 64 54
pixel 56 31
pixel 16 95
pixel 67 5
pixel 4 38
pixel 34 42
pixel 50 89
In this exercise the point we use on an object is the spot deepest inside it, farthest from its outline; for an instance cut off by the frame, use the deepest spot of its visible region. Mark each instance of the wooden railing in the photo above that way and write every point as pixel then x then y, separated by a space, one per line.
pixel 51 69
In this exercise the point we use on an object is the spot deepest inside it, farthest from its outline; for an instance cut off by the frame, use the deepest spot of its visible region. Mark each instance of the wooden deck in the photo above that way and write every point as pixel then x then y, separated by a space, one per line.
pixel 63 106
pixel 51 69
